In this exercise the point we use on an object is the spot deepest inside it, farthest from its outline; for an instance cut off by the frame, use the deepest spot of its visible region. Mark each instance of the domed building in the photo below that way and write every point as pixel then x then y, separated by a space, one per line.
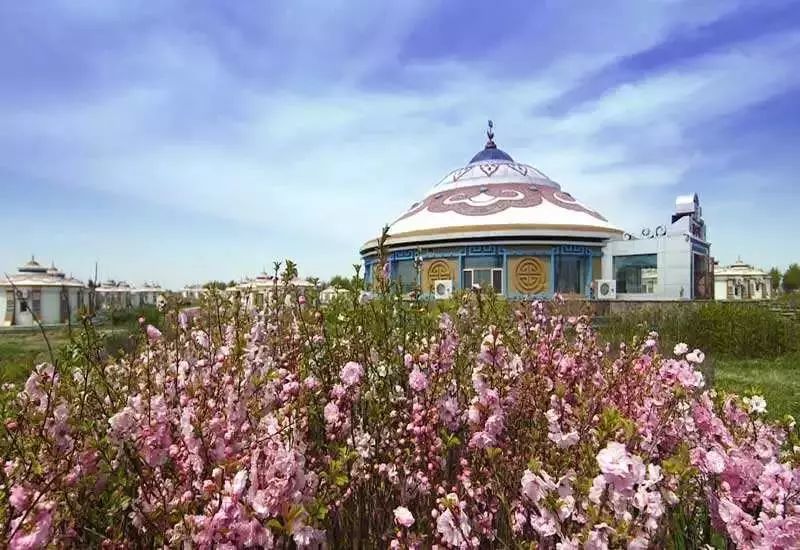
pixel 36 292
pixel 500 224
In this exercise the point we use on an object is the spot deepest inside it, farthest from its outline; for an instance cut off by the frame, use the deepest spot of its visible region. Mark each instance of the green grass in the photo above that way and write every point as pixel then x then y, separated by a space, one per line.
pixel 778 380
pixel 21 351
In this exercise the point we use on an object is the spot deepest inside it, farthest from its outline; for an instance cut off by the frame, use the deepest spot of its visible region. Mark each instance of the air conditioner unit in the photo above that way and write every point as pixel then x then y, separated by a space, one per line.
pixel 442 289
pixel 606 289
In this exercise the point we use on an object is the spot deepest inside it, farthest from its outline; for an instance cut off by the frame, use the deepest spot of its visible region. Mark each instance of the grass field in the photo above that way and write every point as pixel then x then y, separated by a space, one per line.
pixel 20 351
pixel 778 380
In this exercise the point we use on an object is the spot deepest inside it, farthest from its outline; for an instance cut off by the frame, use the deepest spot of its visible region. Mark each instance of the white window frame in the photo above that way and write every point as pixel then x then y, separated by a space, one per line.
pixel 472 271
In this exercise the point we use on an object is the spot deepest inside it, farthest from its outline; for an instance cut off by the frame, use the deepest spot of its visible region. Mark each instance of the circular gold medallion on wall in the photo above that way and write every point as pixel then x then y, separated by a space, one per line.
pixel 530 276
pixel 438 270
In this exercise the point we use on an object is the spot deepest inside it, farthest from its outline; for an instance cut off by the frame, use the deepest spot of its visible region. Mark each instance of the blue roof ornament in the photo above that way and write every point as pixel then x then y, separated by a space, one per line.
pixel 490 151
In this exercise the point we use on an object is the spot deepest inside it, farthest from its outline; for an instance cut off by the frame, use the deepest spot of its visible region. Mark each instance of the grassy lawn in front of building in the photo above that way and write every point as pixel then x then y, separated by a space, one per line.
pixel 778 380
pixel 21 350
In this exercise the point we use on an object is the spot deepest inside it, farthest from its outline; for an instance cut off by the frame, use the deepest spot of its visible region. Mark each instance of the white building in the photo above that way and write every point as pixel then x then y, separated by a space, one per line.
pixel 122 295
pixel 670 262
pixel 147 295
pixel 255 291
pixel 741 281
pixel 114 295
pixel 38 292
pixel 193 292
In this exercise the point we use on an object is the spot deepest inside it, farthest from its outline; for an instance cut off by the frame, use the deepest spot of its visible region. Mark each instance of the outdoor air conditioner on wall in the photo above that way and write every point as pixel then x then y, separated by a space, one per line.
pixel 442 289
pixel 606 289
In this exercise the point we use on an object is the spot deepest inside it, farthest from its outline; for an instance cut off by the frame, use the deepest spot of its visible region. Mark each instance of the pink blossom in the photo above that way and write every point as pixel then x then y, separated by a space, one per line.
pixel 696 356
pixel 153 334
pixel 417 380
pixel 453 532
pixel 20 497
pixel 331 413
pixel 536 487
pixel 351 373
pixel 403 516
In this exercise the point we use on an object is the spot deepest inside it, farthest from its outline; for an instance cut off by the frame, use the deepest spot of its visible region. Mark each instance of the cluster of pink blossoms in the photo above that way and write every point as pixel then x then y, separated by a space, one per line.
pixel 281 425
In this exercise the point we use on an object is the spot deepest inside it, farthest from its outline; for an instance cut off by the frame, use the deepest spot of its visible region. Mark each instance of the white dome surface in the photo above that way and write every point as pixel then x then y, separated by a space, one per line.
pixel 497 198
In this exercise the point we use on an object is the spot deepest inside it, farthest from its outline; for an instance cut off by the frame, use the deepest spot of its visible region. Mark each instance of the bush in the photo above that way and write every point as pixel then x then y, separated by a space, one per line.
pixel 724 329
pixel 374 423
pixel 130 317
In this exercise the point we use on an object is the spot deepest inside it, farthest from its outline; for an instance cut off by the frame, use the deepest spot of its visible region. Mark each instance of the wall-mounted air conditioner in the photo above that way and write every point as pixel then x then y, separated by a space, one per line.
pixel 606 289
pixel 442 289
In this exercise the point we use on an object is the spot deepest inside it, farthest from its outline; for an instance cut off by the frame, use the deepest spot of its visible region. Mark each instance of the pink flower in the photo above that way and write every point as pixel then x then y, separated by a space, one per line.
pixel 696 357
pixel 239 482
pixel 454 533
pixel 20 498
pixel 331 413
pixel 403 516
pixel 417 380
pixel 153 334
pixel 715 462
pixel 351 373
pixel 680 349
pixel 536 487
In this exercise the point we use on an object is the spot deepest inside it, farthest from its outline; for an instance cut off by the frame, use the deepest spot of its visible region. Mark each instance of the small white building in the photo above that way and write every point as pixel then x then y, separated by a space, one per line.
pixel 41 293
pixel 741 281
pixel 146 295
pixel 114 295
pixel 255 291
pixel 193 292
pixel 671 262
pixel 122 295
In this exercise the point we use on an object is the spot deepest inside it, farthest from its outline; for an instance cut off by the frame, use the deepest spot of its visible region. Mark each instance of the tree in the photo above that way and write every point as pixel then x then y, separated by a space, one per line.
pixel 339 281
pixel 791 279
pixel 775 278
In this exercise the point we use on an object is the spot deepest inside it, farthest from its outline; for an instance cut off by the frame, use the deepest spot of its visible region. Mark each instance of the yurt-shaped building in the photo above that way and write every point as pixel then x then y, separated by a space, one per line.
pixel 498 224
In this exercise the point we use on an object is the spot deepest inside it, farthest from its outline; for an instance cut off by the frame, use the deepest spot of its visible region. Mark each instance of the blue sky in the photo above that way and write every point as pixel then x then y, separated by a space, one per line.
pixel 182 141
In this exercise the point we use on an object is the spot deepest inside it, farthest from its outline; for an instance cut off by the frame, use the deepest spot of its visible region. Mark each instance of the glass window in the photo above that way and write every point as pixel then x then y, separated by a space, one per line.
pixel 404 272
pixel 467 279
pixel 473 262
pixel 486 278
pixel 636 274
pixel 570 274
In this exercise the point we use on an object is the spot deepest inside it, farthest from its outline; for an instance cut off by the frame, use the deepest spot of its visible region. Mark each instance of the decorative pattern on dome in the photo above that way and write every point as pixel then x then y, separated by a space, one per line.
pixel 495 170
pixel 483 200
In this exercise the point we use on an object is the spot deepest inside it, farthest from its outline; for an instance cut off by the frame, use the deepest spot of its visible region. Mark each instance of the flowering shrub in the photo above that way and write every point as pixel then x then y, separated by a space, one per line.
pixel 371 423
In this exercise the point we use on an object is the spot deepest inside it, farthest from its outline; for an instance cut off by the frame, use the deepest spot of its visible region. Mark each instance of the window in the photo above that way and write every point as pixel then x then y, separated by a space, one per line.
pixel 570 274
pixel 486 278
pixel 404 272
pixel 486 271
pixel 36 302
pixel 636 274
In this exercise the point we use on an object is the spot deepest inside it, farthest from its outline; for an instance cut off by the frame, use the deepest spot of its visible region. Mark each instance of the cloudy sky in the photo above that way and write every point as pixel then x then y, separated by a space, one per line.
pixel 182 141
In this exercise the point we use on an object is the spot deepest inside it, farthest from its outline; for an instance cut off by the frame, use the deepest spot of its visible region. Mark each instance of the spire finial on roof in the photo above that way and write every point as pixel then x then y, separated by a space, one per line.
pixel 490 134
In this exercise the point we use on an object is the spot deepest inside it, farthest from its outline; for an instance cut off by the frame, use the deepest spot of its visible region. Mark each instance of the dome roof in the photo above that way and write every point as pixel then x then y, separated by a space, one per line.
pixel 494 196
pixel 491 152
pixel 32 266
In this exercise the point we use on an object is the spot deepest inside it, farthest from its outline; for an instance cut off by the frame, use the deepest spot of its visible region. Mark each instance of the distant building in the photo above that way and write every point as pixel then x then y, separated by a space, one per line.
pixel 193 292
pixel 114 295
pixel 741 281
pixel 38 292
pixel 122 295
pixel 670 262
pixel 147 295
pixel 257 290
